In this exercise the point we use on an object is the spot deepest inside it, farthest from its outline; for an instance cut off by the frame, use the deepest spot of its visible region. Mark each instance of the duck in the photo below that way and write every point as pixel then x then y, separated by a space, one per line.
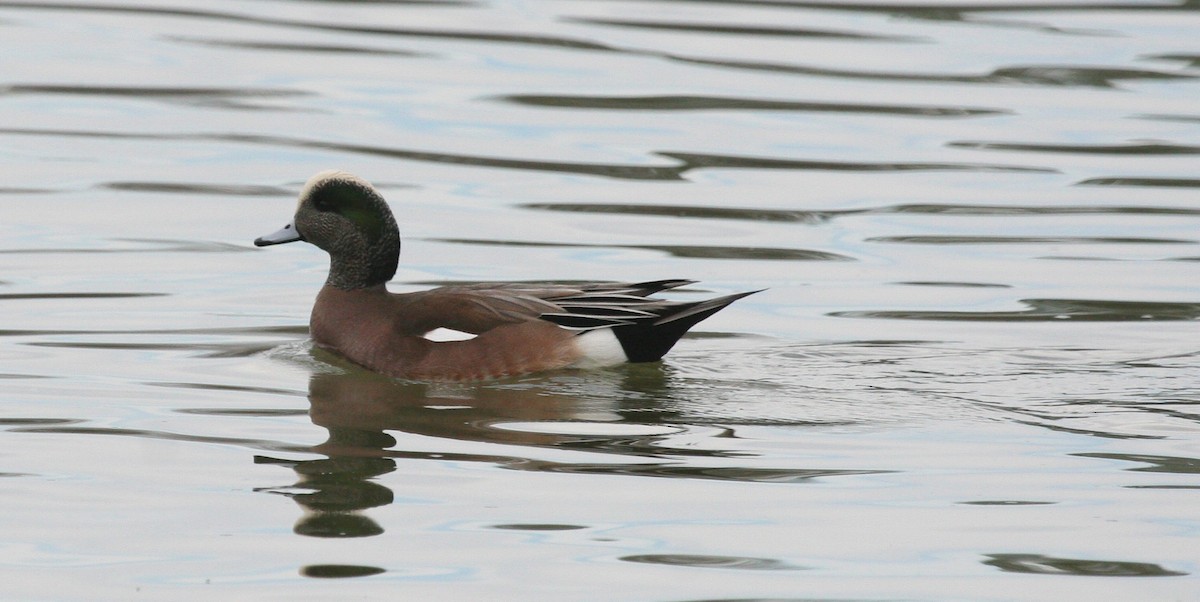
pixel 468 332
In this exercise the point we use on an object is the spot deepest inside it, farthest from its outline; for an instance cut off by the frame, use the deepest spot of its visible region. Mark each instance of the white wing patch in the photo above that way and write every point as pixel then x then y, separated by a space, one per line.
pixel 599 348
pixel 445 335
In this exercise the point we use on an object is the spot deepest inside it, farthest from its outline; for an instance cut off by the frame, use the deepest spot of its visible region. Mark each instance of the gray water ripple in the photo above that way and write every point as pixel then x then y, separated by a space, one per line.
pixel 712 103
pixel 819 216
pixel 258 444
pixel 1048 422
pixel 1152 182
pixel 752 30
pixel 149 245
pixel 685 161
pixel 705 160
pixel 200 188
pixel 1192 60
pixel 950 284
pixel 1044 75
pixel 1133 149
pixel 476 36
pixel 1152 463
pixel 693 211
pixel 366 445
pixel 25 422
pixel 1033 75
pixel 242 412
pixel 1168 117
pixel 215 350
pixel 973 14
pixel 301 47
pixel 941 11
pixel 997 210
pixel 47 296
pixel 683 251
pixel 224 98
pixel 1038 310
pixel 1039 564
pixel 237 389
pixel 713 562
pixel 340 571
pixel 635 172
pixel 1056 240
pixel 537 527
pixel 710 473
pixel 23 191
pixel 299 330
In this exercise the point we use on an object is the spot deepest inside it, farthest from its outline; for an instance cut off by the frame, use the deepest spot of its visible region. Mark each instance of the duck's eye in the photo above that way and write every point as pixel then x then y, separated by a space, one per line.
pixel 320 203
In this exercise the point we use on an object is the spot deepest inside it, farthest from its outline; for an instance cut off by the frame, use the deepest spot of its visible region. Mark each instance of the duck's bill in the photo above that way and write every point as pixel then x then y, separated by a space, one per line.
pixel 287 233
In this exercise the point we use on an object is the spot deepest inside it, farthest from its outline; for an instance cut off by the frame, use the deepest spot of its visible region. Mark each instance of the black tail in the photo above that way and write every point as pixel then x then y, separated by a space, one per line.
pixel 646 328
pixel 648 341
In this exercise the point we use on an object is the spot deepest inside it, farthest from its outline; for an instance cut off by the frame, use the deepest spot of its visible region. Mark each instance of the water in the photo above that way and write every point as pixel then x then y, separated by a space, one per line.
pixel 974 374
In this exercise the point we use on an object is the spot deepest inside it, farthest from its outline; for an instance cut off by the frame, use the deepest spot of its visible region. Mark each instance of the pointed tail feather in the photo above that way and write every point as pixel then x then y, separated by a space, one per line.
pixel 648 342
pixel 707 308
pixel 645 289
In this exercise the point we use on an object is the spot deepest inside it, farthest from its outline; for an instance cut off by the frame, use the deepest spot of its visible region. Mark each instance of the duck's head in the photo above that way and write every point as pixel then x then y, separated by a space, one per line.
pixel 344 215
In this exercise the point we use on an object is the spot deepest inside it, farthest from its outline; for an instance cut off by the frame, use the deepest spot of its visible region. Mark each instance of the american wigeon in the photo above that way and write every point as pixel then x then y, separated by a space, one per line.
pixel 503 329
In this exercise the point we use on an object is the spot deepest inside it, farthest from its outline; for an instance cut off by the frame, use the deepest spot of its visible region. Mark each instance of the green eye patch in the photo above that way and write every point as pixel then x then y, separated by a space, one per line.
pixel 352 202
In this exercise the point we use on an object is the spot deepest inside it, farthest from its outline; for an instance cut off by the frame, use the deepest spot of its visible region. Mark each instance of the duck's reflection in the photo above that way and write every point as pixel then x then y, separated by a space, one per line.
pixel 358 408
pixel 333 490
pixel 635 416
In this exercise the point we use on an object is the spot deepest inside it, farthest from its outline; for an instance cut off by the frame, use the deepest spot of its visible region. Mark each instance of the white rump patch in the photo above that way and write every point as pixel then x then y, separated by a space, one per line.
pixel 445 335
pixel 599 348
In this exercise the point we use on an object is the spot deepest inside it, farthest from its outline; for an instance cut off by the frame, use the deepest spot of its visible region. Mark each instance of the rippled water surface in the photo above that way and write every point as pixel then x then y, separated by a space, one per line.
pixel 974 375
